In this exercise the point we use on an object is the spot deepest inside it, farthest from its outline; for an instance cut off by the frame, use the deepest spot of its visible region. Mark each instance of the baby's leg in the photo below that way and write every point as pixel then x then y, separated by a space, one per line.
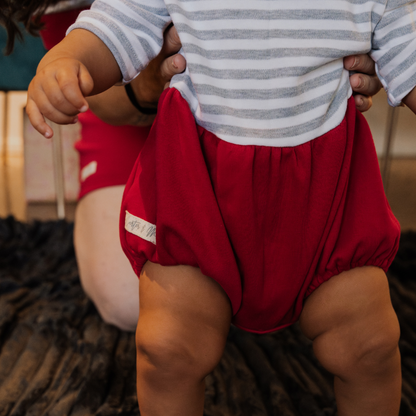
pixel 181 333
pixel 355 336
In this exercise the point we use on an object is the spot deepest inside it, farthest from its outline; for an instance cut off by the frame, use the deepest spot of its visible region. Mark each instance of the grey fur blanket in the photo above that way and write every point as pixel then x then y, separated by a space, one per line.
pixel 58 358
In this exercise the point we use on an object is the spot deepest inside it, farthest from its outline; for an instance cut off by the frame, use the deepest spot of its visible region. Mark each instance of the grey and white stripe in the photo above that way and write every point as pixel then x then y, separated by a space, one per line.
pixel 264 72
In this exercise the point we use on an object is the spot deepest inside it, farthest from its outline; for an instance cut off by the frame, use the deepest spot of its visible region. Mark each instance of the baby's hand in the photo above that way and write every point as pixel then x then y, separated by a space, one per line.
pixel 58 92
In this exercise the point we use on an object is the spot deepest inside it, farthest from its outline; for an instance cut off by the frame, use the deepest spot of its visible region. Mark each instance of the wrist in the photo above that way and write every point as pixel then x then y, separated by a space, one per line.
pixel 133 100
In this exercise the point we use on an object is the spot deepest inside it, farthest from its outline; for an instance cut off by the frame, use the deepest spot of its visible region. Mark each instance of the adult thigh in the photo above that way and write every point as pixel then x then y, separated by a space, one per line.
pixel 105 272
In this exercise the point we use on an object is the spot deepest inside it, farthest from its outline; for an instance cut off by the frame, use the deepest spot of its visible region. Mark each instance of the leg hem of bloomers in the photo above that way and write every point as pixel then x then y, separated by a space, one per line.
pixel 137 263
pixel 263 332
pixel 327 276
pixel 382 265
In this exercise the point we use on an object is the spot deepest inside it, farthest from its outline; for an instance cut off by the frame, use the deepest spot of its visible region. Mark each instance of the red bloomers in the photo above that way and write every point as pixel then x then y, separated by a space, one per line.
pixel 269 224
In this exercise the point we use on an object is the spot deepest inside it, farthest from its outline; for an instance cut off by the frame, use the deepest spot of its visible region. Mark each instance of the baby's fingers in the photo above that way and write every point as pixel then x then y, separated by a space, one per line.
pixel 45 91
pixel 37 119
pixel 38 107
pixel 86 82
pixel 67 95
pixel 53 105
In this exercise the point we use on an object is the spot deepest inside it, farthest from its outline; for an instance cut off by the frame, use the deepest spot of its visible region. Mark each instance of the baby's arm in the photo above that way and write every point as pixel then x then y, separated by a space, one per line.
pixel 79 66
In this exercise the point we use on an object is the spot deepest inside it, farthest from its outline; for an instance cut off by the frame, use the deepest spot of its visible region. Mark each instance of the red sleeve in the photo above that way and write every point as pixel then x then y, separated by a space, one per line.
pixel 56 24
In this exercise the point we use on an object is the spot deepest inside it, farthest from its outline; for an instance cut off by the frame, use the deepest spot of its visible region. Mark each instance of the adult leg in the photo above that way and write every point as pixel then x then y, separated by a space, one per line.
pixel 181 333
pixel 105 272
pixel 355 335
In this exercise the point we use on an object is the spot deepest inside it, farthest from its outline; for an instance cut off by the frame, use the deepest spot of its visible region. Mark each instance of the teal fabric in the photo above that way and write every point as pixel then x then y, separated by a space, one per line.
pixel 18 69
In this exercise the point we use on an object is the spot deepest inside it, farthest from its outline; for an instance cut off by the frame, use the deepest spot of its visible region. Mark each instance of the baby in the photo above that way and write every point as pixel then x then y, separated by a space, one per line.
pixel 257 198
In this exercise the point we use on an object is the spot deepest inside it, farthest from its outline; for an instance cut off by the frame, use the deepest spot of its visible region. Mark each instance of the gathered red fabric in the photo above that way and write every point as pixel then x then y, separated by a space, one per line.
pixel 269 224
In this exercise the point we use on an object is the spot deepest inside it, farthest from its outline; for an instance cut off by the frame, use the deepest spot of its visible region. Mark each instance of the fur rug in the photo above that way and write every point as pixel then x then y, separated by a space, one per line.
pixel 58 358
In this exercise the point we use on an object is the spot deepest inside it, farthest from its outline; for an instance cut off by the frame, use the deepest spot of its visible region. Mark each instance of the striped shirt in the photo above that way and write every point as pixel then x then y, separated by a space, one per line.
pixel 264 72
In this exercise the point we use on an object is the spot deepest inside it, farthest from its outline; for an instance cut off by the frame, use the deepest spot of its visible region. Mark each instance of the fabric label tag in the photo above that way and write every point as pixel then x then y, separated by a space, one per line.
pixel 88 170
pixel 140 227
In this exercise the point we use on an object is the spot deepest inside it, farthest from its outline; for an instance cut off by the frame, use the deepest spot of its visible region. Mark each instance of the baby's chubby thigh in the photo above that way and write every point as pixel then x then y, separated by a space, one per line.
pixel 355 334
pixel 181 334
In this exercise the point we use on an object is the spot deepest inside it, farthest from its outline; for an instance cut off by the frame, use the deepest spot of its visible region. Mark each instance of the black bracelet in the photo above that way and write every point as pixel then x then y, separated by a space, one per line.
pixel 133 100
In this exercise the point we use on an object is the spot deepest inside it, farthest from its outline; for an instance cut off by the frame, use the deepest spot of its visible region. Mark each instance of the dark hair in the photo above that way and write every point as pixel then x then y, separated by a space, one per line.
pixel 27 12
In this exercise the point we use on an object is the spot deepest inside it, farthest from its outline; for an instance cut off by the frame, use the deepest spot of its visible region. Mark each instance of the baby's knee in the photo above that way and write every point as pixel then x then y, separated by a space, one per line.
pixel 166 354
pixel 376 353
pixel 352 323
pixel 348 351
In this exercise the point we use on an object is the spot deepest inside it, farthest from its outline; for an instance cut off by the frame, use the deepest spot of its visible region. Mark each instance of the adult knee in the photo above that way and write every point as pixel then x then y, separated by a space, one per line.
pixel 114 309
pixel 114 289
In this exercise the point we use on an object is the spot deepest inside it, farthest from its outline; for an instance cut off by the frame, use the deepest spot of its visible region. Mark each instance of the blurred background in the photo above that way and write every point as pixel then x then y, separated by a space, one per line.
pixel 27 173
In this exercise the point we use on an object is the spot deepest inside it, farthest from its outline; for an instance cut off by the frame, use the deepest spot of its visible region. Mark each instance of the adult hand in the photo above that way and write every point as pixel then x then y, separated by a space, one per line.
pixel 151 82
pixel 114 107
pixel 364 82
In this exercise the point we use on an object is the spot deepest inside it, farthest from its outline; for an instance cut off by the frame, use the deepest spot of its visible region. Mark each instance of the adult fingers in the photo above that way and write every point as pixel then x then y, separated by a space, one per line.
pixel 360 63
pixel 171 42
pixel 171 66
pixel 149 85
pixel 365 84
pixel 172 63
pixel 363 103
